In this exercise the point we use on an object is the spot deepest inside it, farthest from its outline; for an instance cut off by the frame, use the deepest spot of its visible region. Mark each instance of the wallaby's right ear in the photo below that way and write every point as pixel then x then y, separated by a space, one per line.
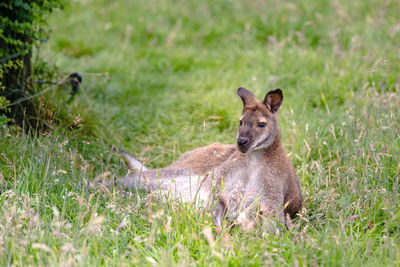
pixel 273 100
pixel 247 97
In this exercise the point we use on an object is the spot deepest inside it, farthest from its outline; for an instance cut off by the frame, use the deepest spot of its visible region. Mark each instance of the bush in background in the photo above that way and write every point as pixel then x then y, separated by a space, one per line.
pixel 21 29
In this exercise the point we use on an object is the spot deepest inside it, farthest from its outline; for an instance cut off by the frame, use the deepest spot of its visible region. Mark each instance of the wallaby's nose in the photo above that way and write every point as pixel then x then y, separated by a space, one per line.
pixel 242 141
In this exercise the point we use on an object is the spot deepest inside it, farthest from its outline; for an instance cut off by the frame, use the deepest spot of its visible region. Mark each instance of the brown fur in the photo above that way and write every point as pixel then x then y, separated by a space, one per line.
pixel 205 159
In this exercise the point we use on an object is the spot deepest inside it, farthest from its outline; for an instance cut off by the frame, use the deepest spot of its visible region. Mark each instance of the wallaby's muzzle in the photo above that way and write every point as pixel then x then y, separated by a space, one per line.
pixel 243 144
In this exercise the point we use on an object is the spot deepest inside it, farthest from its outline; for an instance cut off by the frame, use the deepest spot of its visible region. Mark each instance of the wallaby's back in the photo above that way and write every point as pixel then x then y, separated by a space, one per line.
pixel 204 159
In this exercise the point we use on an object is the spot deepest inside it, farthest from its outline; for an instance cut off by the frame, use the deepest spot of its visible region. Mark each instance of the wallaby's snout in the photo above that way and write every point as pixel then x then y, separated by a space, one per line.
pixel 241 144
pixel 242 141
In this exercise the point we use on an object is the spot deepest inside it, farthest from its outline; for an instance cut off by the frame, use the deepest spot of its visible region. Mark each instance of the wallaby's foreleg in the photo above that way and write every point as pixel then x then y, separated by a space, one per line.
pixel 219 212
pixel 273 214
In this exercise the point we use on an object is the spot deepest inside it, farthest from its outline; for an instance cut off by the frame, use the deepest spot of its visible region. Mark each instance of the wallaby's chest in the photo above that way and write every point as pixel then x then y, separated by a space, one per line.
pixel 245 185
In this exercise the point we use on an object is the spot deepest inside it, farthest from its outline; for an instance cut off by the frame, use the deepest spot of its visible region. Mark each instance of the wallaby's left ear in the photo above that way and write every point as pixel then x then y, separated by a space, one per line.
pixel 273 100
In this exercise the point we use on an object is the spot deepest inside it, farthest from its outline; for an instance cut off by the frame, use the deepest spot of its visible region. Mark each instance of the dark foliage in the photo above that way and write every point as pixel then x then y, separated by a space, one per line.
pixel 21 29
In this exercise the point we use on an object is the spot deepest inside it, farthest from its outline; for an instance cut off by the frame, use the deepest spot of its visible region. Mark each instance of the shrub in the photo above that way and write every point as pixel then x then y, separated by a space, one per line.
pixel 21 28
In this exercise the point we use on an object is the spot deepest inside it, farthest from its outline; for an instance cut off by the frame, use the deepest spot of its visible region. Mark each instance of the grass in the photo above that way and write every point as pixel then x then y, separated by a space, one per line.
pixel 173 69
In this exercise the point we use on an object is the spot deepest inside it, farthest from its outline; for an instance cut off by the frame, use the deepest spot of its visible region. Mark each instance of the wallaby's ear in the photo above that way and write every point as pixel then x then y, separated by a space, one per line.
pixel 247 97
pixel 273 100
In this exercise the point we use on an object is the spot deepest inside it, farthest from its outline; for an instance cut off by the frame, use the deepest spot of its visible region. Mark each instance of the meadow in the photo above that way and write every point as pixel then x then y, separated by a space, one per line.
pixel 160 78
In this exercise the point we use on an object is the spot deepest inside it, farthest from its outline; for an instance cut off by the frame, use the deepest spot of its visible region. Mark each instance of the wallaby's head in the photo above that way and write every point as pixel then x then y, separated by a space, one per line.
pixel 258 126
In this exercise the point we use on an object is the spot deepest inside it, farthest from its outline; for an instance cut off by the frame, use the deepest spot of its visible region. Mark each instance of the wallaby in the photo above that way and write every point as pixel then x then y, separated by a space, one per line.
pixel 255 175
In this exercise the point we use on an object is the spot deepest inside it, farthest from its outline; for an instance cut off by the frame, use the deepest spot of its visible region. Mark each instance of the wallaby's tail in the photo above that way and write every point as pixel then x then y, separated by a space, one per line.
pixel 132 162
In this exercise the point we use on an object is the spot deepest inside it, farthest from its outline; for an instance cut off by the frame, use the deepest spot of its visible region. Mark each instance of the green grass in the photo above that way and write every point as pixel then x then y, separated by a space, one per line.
pixel 174 67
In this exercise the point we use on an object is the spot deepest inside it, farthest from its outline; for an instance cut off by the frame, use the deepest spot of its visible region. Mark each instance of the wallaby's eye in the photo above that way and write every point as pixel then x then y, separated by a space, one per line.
pixel 261 125
pixel 240 122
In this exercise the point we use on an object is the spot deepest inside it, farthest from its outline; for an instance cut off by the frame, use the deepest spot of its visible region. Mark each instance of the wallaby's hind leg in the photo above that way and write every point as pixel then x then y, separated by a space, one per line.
pixel 143 181
pixel 171 181
pixel 132 162
pixel 177 183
